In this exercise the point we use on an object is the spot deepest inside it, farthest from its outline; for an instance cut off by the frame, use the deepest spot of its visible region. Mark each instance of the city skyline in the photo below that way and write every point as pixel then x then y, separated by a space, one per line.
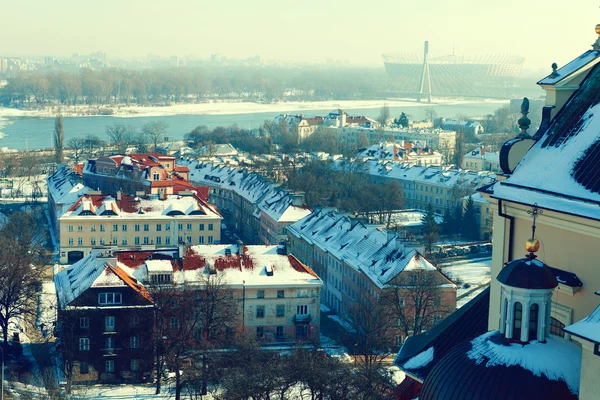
pixel 307 32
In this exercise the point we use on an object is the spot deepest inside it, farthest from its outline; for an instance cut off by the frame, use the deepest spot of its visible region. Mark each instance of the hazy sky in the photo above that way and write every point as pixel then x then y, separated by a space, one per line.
pixel 543 31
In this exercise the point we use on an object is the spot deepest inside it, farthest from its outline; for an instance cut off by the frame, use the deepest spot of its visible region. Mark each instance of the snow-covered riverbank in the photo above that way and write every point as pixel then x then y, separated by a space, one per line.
pixel 218 108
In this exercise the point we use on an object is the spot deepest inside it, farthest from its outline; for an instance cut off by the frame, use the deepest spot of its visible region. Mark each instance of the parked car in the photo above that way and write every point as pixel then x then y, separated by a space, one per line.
pixel 474 249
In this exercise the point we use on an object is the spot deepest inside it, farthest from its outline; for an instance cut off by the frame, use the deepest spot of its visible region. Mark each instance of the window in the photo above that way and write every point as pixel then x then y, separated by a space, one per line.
pixel 160 278
pixel 280 294
pixel 93 241
pixel 134 365
pixel 158 227
pixel 279 331
pixel 260 311
pixel 146 227
pixel 556 327
pixel 84 322
pixel 109 298
pixel 109 366
pixel 136 240
pixel 302 293
pixel 180 227
pixel 201 227
pixel 115 227
pixel 114 240
pixel 146 240
pixel 533 321
pixel 260 294
pixel 109 343
pixel 80 241
pixel 174 323
pixel 156 177
pixel 188 239
pixel 124 228
pixel 134 342
pixel 301 331
pixel 71 241
pixel 211 227
pixel 109 323
pixel 280 310
pixel 173 304
pixel 84 344
pixel 413 278
pixel 124 241
pixel 102 228
pixel 167 227
pixel 93 228
pixel 84 368
pixel 189 227
pixel 201 239
pixel 210 240
pixel 437 301
pixel 260 332
pixel 302 309
pixel 158 240
pixel 518 317
pixel 401 302
pixel 167 239
pixel 79 228
pixel 398 340
pixel 134 321
pixel 70 228
pixel 101 241
pixel 136 227
pixel 198 335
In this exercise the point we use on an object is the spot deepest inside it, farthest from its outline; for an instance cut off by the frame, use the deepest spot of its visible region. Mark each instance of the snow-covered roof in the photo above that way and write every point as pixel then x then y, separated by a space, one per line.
pixel 573 66
pixel 379 254
pixel 256 266
pixel 92 271
pixel 218 150
pixel 257 190
pixel 560 171
pixel 403 151
pixel 557 359
pixel 588 328
pixel 64 187
pixel 420 360
pixel 140 208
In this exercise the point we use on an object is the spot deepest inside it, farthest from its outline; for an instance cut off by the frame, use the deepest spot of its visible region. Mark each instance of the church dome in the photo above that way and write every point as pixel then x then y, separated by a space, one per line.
pixel 492 368
pixel 527 273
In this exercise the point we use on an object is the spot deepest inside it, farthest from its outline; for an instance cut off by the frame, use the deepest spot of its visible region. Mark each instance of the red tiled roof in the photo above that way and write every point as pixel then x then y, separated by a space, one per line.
pixel 181 168
pixel 129 281
pixel 298 266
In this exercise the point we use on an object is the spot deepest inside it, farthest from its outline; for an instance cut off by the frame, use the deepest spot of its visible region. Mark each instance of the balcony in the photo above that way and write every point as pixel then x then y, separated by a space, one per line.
pixel 110 352
pixel 302 319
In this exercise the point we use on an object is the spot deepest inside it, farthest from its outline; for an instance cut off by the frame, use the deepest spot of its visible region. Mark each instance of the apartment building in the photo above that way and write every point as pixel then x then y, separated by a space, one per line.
pixel 105 320
pixel 442 187
pixel 257 208
pixel 482 160
pixel 149 172
pixel 64 189
pixel 125 221
pixel 405 152
pixel 355 260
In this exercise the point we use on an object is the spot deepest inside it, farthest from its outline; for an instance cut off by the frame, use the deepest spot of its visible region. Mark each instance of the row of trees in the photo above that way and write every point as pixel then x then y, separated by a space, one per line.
pixel 241 139
pixel 347 188
pixel 117 86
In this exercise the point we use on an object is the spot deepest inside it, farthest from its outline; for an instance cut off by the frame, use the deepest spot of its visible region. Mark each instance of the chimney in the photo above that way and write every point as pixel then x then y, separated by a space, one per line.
pixel 119 195
pixel 181 250
pixel 342 118
pixel 482 150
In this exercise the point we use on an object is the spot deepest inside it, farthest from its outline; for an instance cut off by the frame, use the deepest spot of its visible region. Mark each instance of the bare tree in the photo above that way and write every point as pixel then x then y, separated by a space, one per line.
pixel 93 143
pixel 384 116
pixel 416 300
pixel 59 139
pixel 155 132
pixel 21 258
pixel 120 136
pixel 76 145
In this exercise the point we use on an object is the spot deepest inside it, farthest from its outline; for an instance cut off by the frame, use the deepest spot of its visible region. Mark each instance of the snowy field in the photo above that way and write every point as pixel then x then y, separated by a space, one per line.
pixel 472 273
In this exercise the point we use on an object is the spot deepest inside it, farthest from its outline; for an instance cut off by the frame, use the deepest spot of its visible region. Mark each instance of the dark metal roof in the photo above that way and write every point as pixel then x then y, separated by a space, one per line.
pixel 456 376
pixel 566 277
pixel 527 273
pixel 469 321
pixel 572 119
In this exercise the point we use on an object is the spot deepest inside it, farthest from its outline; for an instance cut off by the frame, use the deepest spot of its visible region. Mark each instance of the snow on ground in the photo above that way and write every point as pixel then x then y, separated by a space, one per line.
pixel 24 187
pixel 332 349
pixel 124 392
pixel 221 107
pixel 472 272
pixel 464 300
pixel 47 307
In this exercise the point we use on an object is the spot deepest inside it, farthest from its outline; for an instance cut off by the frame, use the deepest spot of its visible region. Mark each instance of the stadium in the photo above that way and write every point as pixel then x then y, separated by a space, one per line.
pixel 484 76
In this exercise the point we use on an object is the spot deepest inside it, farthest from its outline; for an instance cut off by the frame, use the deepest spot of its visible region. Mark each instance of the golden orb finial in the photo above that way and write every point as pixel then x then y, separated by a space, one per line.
pixel 532 245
